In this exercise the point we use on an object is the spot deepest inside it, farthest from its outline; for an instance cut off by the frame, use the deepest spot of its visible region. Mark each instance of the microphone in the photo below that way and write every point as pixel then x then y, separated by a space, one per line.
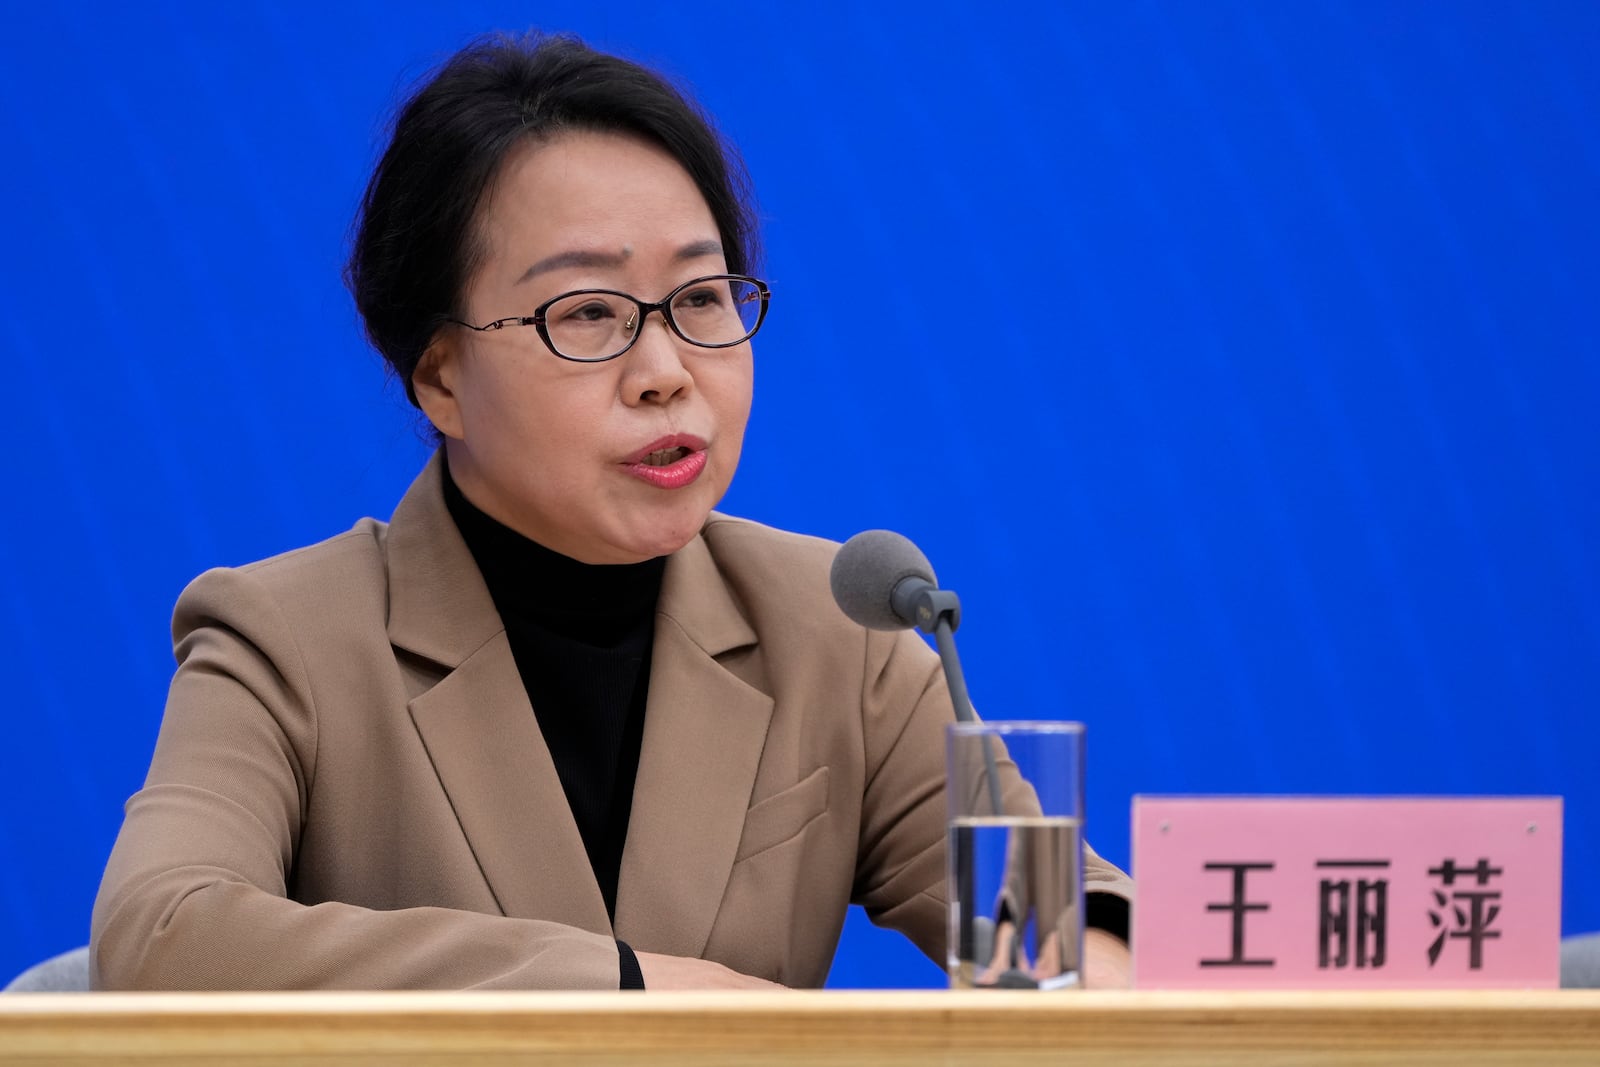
pixel 884 582
pixel 878 579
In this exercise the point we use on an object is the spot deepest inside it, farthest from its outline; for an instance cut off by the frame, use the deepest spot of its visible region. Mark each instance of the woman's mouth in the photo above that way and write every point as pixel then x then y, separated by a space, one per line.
pixel 664 457
pixel 670 463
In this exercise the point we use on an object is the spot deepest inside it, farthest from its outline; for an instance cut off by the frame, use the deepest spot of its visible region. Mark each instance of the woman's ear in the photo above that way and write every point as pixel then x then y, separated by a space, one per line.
pixel 433 382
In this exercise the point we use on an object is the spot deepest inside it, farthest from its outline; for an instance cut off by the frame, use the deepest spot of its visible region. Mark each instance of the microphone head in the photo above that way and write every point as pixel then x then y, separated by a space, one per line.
pixel 866 571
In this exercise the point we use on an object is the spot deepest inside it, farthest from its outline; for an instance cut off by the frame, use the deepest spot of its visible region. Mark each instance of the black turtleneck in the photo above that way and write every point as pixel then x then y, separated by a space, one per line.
pixel 580 634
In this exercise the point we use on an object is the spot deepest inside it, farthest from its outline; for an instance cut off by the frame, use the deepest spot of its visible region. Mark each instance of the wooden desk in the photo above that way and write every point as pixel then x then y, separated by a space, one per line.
pixel 782 1029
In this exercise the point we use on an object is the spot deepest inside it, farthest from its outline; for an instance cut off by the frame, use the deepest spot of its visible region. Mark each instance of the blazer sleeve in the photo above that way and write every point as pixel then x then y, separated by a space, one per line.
pixel 901 864
pixel 195 895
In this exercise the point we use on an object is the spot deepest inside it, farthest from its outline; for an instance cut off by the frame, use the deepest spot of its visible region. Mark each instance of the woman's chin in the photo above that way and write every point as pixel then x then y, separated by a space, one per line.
pixel 667 539
pixel 649 536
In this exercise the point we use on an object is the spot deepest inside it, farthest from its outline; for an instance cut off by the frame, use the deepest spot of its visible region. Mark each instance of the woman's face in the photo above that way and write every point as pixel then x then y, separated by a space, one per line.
pixel 610 462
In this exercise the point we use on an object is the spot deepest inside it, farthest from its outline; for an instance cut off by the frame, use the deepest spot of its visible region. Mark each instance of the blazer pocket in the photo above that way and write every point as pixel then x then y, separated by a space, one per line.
pixel 784 815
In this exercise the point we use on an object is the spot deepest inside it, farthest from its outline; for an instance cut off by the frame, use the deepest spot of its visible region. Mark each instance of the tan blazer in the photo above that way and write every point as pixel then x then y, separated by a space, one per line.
pixel 350 789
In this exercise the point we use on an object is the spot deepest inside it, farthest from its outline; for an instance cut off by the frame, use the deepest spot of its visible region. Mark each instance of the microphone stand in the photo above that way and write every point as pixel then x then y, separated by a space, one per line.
pixel 938 612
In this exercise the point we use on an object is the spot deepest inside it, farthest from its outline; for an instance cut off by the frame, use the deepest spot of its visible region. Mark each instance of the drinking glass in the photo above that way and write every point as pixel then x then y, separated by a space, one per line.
pixel 1015 859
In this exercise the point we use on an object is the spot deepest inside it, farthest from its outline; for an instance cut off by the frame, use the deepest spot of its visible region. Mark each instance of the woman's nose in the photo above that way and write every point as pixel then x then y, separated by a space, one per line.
pixel 653 369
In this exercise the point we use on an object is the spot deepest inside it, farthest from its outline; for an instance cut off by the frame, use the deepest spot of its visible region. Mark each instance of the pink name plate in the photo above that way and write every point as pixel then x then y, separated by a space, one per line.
pixel 1340 893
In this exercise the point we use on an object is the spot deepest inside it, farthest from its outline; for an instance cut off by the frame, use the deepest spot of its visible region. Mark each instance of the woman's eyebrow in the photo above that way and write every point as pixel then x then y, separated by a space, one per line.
pixel 574 258
pixel 699 248
pixel 578 257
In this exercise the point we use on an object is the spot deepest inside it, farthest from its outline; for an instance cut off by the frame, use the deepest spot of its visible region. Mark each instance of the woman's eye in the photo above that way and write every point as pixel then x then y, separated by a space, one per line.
pixel 594 311
pixel 699 299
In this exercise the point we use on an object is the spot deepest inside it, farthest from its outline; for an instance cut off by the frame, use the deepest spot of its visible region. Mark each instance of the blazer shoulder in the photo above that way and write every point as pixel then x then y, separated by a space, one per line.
pixel 777 561
pixel 337 579
pixel 782 580
pixel 363 541
pixel 733 537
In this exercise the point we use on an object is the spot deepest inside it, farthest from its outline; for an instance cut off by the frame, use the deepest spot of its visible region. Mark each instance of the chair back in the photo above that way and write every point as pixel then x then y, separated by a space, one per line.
pixel 66 973
pixel 1580 962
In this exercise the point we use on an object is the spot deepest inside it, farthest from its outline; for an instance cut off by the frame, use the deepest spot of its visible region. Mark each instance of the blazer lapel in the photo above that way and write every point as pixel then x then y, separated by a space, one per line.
pixel 703 735
pixel 476 723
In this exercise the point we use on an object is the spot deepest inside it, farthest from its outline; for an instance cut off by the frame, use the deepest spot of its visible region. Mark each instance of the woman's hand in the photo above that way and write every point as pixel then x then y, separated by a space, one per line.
pixel 1107 961
pixel 680 972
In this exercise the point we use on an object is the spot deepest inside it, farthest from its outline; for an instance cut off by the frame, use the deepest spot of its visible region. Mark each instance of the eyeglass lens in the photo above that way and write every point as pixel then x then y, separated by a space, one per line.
pixel 714 311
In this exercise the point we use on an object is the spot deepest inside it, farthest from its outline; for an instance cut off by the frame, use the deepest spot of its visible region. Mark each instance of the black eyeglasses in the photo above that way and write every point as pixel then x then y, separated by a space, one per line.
pixel 594 325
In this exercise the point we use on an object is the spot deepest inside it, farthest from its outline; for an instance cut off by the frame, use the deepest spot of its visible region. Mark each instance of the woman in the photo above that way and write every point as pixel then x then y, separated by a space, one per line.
pixel 557 724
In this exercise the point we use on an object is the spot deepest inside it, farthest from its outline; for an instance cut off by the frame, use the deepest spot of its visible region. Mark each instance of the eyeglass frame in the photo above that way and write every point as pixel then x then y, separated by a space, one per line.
pixel 540 322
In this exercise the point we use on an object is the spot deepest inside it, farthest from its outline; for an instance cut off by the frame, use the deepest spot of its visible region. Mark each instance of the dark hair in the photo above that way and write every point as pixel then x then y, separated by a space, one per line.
pixel 415 243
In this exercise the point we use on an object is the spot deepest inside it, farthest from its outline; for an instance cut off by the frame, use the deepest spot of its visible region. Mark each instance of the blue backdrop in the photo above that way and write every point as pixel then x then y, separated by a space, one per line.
pixel 1236 362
